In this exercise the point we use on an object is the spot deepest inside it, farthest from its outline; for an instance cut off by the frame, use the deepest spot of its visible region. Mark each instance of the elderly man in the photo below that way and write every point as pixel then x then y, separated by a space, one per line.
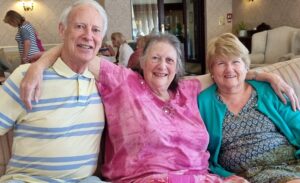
pixel 58 140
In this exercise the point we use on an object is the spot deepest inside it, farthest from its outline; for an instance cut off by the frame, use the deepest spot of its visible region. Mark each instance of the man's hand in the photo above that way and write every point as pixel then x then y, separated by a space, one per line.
pixel 281 87
pixel 30 87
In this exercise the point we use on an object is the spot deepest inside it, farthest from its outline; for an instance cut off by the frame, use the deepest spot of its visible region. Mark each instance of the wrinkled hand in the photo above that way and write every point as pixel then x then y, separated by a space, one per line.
pixel 281 87
pixel 30 87
pixel 235 179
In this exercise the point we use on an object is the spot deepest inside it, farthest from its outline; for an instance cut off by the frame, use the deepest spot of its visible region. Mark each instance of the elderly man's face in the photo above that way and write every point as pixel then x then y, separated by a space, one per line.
pixel 83 35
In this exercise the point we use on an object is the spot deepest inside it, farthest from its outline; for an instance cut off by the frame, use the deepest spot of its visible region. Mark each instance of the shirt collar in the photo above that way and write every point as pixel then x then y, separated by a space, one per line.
pixel 62 69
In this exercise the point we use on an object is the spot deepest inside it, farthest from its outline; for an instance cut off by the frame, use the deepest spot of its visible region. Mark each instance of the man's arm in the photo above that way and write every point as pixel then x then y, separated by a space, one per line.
pixel 279 86
pixel 30 85
pixel 94 67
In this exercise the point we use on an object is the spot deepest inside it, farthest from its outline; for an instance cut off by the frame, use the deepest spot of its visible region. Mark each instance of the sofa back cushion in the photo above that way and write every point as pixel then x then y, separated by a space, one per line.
pixel 278 43
pixel 288 70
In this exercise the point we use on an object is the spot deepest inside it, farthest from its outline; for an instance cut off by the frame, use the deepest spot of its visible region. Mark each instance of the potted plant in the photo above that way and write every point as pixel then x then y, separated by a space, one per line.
pixel 242 29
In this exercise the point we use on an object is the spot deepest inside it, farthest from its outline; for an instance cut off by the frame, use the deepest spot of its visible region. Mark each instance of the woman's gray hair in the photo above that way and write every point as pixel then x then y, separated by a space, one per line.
pixel 224 46
pixel 175 43
pixel 65 14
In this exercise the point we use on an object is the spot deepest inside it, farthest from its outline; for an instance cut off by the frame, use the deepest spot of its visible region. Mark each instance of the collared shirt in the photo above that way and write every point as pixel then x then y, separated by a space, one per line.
pixel 59 139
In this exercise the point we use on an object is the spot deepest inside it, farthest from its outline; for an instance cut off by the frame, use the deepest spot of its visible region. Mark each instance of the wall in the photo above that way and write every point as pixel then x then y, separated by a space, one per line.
pixel 45 17
pixel 273 12
pixel 215 10
pixel 119 17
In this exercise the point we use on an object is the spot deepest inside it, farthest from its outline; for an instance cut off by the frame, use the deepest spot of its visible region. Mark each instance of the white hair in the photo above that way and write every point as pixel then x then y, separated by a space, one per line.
pixel 65 14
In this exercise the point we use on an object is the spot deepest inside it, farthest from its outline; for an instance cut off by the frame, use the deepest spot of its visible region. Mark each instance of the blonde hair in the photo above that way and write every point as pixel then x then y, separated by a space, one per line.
pixel 118 37
pixel 226 45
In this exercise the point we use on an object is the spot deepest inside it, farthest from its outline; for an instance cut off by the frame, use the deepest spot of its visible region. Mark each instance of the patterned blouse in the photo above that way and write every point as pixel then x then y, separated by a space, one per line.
pixel 247 136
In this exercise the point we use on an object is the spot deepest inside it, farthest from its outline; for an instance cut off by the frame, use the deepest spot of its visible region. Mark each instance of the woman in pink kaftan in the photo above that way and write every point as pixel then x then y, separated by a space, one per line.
pixel 154 137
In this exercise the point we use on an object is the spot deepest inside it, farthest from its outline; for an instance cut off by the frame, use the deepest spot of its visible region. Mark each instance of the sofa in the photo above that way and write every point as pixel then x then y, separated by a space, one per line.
pixel 288 70
pixel 275 45
pixel 9 59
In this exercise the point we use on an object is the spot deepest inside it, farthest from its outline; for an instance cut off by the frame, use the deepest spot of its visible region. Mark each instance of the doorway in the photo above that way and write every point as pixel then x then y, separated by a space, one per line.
pixel 183 18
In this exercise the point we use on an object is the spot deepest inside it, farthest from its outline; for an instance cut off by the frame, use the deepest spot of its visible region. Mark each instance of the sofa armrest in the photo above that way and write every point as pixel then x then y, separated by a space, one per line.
pixel 5 150
pixel 257 58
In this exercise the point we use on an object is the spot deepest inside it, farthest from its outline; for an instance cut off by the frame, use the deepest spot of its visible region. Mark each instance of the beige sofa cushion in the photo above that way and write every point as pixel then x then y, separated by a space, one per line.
pixel 288 70
pixel 278 43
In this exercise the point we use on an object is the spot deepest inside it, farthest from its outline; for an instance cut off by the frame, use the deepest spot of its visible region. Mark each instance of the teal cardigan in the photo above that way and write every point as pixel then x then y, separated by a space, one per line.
pixel 213 113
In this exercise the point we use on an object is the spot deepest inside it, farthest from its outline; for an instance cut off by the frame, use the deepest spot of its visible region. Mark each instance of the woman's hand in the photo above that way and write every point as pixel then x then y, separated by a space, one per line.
pixel 30 87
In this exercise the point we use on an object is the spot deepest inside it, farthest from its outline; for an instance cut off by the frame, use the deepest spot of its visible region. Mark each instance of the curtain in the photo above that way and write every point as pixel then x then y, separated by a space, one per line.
pixel 144 17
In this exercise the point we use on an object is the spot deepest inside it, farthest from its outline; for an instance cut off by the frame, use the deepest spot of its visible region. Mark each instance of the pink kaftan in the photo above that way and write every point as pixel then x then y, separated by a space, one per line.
pixel 151 140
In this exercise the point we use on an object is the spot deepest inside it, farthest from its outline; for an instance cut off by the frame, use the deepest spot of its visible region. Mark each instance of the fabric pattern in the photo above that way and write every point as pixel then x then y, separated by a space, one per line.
pixel 278 165
pixel 246 136
pixel 58 140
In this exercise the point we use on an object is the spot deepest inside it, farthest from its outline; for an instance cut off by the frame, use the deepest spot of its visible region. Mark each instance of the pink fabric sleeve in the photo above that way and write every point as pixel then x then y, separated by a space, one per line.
pixel 111 76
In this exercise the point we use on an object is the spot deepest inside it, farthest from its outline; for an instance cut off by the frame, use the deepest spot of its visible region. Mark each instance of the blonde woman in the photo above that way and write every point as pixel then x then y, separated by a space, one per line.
pixel 124 51
pixel 252 133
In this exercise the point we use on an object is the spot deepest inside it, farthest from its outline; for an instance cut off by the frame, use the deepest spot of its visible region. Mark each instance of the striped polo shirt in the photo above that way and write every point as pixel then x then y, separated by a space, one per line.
pixel 59 139
pixel 27 32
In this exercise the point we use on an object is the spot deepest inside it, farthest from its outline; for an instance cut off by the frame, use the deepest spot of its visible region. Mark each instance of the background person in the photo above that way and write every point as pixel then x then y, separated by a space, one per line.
pixel 30 47
pixel 252 133
pixel 59 139
pixel 134 60
pixel 106 50
pixel 123 49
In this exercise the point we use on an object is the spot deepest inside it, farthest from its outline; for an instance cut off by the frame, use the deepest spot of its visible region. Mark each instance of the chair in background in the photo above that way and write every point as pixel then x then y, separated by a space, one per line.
pixel 273 45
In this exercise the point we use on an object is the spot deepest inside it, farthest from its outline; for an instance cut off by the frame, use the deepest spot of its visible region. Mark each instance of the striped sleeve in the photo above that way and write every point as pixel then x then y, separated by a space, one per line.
pixel 11 106
pixel 25 33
